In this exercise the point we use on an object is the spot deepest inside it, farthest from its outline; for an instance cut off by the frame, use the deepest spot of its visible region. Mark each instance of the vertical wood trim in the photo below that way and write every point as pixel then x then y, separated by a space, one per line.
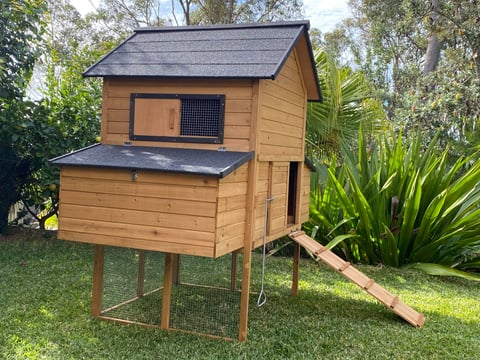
pixel 97 286
pixel 105 107
pixel 167 291
pixel 302 79
pixel 250 215
pixel 296 263
pixel 141 273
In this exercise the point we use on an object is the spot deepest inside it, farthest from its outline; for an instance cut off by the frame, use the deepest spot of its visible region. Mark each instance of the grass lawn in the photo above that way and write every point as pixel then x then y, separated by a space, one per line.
pixel 45 314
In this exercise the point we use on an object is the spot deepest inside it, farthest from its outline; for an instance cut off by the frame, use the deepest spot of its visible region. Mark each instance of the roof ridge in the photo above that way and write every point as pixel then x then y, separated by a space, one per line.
pixel 225 26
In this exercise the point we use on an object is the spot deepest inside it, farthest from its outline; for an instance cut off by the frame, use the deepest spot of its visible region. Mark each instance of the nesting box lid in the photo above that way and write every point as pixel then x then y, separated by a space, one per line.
pixel 185 161
pixel 240 51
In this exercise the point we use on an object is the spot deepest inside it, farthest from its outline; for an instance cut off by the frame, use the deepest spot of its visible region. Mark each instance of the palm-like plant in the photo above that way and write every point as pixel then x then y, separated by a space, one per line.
pixel 347 103
pixel 395 205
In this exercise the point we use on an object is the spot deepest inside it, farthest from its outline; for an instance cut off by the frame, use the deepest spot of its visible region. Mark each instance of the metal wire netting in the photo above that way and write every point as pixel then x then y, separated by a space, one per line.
pixel 205 298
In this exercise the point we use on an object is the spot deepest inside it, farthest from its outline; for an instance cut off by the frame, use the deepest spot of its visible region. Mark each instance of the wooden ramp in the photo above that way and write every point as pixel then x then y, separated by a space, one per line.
pixel 359 278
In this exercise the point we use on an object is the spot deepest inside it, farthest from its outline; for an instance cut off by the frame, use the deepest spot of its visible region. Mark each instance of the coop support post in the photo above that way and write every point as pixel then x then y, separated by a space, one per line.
pixel 97 286
pixel 296 263
pixel 250 218
pixel 141 273
pixel 167 290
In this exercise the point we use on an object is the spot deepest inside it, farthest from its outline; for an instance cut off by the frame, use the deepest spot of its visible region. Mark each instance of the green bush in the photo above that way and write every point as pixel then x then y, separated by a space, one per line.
pixel 395 204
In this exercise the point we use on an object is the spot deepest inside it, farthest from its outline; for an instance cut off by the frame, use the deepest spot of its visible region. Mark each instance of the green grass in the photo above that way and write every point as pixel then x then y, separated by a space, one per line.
pixel 45 314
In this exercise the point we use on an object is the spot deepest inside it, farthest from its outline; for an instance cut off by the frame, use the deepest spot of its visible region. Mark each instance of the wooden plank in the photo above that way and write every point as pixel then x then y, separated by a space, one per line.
pixel 230 217
pixel 238 106
pixel 268 138
pixel 150 233
pixel 97 286
pixel 170 206
pixel 143 176
pixel 192 193
pixel 237 132
pixel 139 217
pixel 277 116
pixel 232 189
pixel 167 245
pixel 231 203
pixel 117 127
pixel 232 89
pixel 281 128
pixel 121 116
pixel 229 245
pixel 274 102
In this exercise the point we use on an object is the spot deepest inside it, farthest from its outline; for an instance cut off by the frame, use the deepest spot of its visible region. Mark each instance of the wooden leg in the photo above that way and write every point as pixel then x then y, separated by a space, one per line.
pixel 97 280
pixel 233 272
pixel 167 290
pixel 141 273
pixel 176 269
pixel 244 297
pixel 296 263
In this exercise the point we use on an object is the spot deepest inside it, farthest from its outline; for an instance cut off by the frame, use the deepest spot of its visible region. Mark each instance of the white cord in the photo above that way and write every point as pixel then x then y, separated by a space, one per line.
pixel 262 297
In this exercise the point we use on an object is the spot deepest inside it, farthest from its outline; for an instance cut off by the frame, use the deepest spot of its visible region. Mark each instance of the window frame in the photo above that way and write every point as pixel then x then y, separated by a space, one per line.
pixel 187 139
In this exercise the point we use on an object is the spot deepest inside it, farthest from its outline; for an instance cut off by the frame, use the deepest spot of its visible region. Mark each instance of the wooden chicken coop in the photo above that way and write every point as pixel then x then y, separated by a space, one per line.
pixel 202 150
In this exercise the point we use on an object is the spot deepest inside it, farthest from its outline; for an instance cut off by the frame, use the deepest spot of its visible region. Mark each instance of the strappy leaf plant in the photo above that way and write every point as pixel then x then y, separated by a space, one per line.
pixel 395 204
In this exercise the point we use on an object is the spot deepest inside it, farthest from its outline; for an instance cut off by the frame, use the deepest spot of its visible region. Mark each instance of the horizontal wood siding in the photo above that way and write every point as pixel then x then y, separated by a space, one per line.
pixel 282 115
pixel 231 212
pixel 158 211
pixel 238 108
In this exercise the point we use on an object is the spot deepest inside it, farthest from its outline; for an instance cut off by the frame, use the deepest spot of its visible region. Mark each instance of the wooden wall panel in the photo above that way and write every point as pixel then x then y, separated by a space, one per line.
pixel 231 212
pixel 238 108
pixel 158 211
pixel 283 114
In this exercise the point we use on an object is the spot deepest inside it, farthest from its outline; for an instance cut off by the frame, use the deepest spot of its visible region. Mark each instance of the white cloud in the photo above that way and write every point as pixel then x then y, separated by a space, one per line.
pixel 325 14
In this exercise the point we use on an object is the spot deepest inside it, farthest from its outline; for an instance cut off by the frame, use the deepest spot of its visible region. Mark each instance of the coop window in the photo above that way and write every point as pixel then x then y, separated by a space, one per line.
pixel 177 117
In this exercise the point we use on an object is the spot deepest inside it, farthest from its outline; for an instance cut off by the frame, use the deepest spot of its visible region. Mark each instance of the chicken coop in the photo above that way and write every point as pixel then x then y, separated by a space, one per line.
pixel 201 161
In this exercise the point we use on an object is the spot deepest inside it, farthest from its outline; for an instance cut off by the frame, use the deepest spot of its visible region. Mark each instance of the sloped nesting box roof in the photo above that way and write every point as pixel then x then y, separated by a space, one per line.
pixel 185 161
pixel 238 51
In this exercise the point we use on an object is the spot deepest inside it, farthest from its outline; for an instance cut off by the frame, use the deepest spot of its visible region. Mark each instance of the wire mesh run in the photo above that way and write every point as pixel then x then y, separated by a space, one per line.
pixel 205 296
pixel 201 117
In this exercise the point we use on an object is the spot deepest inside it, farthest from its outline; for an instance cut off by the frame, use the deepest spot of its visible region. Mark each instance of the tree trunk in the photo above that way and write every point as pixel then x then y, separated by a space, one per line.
pixel 432 56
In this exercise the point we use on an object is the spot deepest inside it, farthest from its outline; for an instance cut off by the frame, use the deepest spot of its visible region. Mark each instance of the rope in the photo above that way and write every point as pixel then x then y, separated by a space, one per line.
pixel 262 297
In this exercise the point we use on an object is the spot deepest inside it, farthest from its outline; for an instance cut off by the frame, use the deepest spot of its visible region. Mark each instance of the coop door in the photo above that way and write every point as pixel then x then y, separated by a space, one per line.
pixel 156 117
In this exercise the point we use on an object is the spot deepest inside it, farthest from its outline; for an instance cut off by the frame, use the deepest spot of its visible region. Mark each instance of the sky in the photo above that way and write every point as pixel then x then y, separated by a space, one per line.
pixel 323 14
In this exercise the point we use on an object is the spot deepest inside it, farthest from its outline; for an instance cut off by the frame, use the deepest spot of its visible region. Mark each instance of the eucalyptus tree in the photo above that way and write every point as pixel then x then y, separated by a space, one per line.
pixel 423 58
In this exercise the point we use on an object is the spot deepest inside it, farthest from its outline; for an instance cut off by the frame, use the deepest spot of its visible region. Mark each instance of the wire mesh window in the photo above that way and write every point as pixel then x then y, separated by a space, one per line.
pixel 155 117
pixel 200 117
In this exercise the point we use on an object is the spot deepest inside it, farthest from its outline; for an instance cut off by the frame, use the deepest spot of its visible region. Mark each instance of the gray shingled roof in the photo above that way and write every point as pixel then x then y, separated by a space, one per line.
pixel 185 161
pixel 218 51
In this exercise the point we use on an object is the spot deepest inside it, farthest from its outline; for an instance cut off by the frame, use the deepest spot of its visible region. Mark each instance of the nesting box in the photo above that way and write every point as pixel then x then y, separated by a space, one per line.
pixel 202 151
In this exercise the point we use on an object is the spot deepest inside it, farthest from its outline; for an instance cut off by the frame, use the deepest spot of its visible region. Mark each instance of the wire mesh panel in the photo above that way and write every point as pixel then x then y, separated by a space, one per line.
pixel 206 298
pixel 132 285
pixel 201 117
pixel 205 293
